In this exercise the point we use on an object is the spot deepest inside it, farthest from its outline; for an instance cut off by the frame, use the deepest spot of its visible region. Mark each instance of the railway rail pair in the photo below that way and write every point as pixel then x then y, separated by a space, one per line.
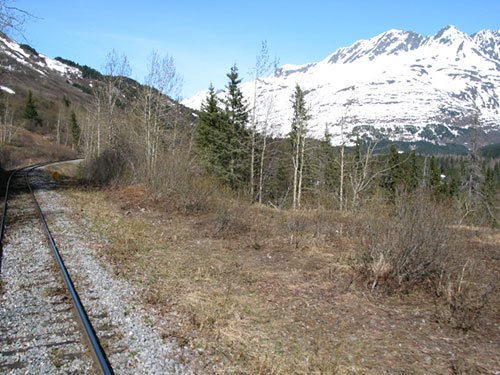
pixel 102 363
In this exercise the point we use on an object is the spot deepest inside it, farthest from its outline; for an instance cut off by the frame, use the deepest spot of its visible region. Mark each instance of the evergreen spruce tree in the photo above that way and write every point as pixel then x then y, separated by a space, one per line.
pixel 435 173
pixel 453 189
pixel 496 172
pixel 75 129
pixel 413 173
pixel 222 137
pixel 434 177
pixel 357 151
pixel 394 177
pixel 328 172
pixel 30 112
pixel 443 191
pixel 211 138
pixel 236 116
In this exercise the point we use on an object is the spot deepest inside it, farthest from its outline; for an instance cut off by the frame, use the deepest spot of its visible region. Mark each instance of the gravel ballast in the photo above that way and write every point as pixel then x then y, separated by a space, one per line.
pixel 129 333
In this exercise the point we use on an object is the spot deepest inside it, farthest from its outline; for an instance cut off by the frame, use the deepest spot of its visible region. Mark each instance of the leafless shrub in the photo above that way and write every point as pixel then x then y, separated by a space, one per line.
pixel 326 224
pixel 410 245
pixel 106 168
pixel 316 227
pixel 464 289
pixel 21 154
pixel 231 219
pixel 297 226
pixel 179 180
pixel 197 195
pixel 417 244
pixel 461 366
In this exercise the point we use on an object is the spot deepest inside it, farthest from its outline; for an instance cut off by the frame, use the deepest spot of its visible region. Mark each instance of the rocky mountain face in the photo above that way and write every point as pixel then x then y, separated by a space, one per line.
pixel 398 85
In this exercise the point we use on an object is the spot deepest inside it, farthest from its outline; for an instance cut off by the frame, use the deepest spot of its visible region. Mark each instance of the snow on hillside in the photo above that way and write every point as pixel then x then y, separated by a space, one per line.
pixel 7 90
pixel 398 84
pixel 59 67
pixel 38 62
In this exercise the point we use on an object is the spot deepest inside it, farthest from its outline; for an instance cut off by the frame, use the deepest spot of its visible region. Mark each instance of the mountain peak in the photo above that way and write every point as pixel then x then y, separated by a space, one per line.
pixel 449 34
pixel 449 28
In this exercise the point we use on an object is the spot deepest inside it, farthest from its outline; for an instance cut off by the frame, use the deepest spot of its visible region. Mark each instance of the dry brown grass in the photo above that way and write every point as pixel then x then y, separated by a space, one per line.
pixel 264 291
pixel 29 148
pixel 414 245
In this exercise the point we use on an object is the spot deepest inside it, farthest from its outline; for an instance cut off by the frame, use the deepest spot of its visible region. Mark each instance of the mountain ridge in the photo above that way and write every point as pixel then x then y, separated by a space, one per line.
pixel 24 68
pixel 400 85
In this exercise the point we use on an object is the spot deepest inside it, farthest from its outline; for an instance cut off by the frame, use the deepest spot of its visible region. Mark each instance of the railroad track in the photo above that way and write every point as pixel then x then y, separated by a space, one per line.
pixel 44 328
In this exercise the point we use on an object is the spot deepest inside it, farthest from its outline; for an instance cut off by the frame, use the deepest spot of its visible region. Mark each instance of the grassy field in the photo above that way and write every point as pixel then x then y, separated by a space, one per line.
pixel 258 290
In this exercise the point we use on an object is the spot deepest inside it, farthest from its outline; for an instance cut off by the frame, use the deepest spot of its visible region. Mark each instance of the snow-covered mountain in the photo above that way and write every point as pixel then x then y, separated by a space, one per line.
pixel 399 85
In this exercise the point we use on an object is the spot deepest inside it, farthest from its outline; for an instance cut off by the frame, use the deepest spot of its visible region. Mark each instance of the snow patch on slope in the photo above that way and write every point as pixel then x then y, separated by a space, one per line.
pixel 59 67
pixel 7 89
pixel 40 63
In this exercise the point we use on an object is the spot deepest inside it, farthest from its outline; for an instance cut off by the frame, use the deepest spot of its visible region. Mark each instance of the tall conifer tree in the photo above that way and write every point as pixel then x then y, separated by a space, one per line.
pixel 413 172
pixel 30 113
pixel 75 129
pixel 237 136
pixel 393 178
pixel 211 136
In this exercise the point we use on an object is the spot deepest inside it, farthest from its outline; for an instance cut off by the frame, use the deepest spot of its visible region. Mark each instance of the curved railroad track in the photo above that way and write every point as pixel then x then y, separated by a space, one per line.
pixel 44 328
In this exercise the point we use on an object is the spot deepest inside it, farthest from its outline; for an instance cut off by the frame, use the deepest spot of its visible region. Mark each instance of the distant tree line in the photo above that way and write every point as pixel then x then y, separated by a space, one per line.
pixel 298 170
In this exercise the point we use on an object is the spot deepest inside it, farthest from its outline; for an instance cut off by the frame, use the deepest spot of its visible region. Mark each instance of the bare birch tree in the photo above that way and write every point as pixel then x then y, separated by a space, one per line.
pixel 298 136
pixel 12 18
pixel 267 129
pixel 7 131
pixel 102 133
pixel 342 123
pixel 97 129
pixel 474 174
pixel 115 70
pixel 363 171
pixel 161 81
pixel 263 66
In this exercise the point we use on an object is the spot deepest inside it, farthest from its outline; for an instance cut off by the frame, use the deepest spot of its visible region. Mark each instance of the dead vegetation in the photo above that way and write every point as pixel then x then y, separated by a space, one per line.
pixel 27 148
pixel 266 291
pixel 416 244
pixel 405 245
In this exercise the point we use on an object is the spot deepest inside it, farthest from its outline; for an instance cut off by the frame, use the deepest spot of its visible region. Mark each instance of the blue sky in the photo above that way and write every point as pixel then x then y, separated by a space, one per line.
pixel 207 37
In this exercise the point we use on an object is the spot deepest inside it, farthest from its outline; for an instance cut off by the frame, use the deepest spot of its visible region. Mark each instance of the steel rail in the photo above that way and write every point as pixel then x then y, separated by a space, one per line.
pixel 96 349
pixel 4 213
pixel 6 198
